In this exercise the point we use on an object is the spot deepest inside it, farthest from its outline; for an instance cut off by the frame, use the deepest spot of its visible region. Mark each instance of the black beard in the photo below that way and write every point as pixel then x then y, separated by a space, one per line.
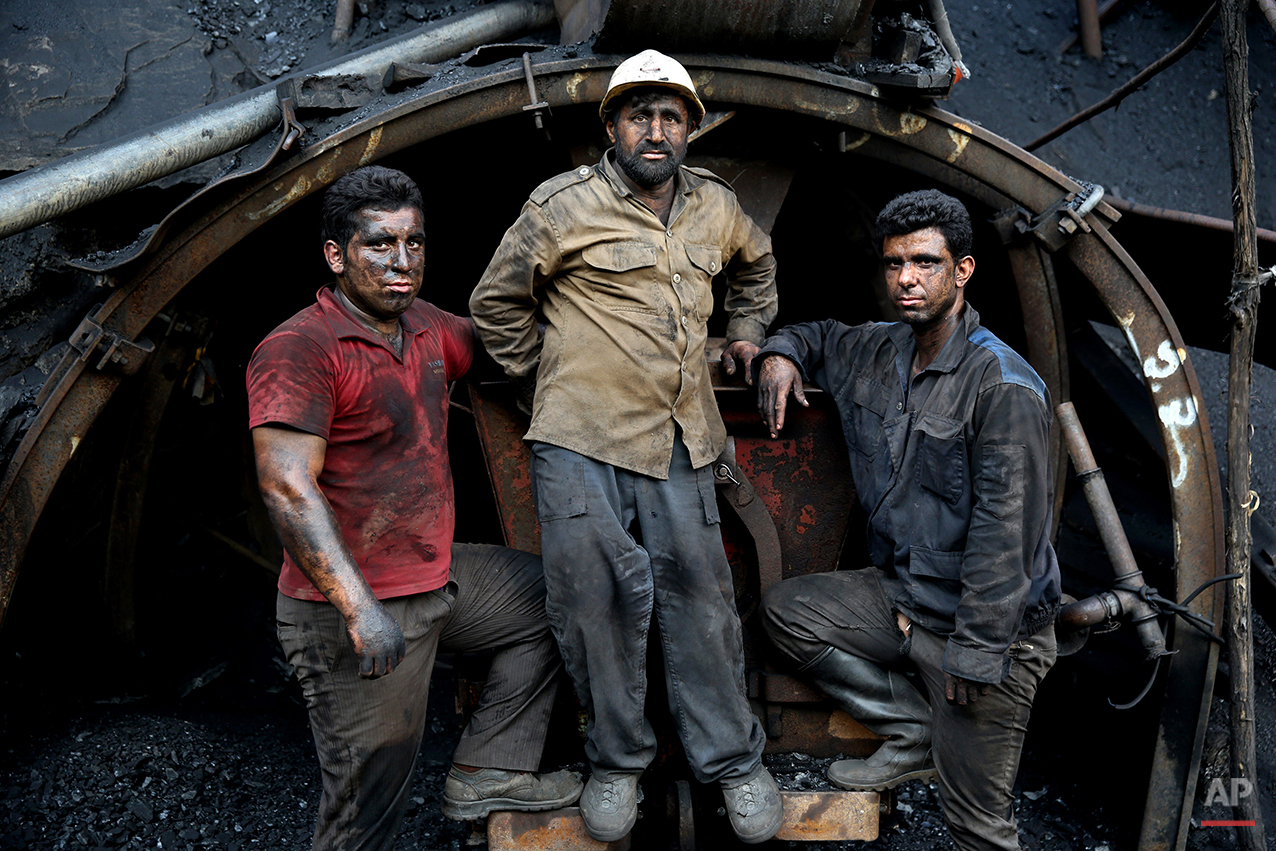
pixel 647 173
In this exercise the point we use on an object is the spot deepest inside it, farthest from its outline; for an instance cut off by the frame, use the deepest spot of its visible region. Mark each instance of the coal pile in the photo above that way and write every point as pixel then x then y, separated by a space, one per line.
pixel 230 766
pixel 120 777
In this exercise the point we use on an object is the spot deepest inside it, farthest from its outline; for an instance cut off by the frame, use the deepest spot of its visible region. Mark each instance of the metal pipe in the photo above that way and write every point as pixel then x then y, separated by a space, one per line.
pixel 1101 608
pixel 1129 576
pixel 1167 215
pixel 52 190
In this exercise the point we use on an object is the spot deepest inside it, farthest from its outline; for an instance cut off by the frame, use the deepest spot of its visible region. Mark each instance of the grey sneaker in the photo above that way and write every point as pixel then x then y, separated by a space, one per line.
pixel 467 797
pixel 754 807
pixel 610 807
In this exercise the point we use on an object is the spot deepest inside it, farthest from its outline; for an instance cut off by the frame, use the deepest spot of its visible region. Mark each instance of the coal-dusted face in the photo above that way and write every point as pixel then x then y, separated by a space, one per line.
pixel 650 134
pixel 381 269
pixel 924 280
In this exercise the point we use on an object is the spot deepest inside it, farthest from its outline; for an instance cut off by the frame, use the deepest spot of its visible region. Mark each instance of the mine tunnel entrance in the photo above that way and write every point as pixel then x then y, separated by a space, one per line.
pixel 194 600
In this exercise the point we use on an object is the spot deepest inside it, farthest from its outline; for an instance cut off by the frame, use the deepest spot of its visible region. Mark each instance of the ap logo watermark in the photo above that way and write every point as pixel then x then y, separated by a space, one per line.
pixel 1227 793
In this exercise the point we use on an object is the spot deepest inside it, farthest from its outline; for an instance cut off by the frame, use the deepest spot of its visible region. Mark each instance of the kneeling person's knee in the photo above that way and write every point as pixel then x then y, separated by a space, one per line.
pixel 781 617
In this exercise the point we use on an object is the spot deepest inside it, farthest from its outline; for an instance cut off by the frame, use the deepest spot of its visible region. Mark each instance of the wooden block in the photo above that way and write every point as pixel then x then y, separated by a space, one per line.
pixel 553 830
pixel 828 816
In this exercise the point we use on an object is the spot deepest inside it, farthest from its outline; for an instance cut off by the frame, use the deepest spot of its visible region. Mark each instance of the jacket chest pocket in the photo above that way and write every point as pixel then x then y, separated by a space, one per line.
pixel 941 457
pixel 863 425
pixel 622 274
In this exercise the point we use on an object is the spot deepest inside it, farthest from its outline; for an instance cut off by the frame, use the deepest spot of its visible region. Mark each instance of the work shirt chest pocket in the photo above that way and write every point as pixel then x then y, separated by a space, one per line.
pixel 863 424
pixel 708 259
pixel 941 457
pixel 623 275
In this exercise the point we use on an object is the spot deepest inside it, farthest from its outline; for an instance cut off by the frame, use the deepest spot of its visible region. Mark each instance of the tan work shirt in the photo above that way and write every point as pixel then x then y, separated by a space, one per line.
pixel 625 299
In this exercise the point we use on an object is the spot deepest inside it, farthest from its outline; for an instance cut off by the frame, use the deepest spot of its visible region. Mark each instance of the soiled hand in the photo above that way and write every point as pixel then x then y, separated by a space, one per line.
pixel 961 691
pixel 778 378
pixel 378 641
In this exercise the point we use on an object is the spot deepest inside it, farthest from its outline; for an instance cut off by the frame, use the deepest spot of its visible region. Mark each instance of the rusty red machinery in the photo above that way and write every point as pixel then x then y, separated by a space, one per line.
pixel 793 508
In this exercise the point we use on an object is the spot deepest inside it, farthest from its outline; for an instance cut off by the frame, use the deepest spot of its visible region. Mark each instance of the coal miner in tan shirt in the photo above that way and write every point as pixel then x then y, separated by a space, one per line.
pixel 618 260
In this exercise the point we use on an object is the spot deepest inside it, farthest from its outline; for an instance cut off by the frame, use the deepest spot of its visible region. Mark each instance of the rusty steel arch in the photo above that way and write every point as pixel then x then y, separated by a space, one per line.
pixel 952 151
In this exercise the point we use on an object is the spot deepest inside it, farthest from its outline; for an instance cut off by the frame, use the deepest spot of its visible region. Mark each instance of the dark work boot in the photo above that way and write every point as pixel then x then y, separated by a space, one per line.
pixel 885 702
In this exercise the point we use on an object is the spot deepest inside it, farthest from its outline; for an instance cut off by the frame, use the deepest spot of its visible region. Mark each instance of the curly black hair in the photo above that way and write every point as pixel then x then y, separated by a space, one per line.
pixel 372 187
pixel 927 208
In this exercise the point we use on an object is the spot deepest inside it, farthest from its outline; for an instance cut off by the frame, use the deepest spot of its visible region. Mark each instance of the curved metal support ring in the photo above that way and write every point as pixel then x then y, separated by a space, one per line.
pixel 960 153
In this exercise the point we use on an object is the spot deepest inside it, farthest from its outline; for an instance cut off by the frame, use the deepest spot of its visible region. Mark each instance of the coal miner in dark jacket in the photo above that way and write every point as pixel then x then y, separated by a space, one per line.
pixel 941 643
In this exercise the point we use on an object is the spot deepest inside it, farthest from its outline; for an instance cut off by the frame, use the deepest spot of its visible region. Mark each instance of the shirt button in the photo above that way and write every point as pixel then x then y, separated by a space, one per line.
pixel 669 232
pixel 584 171
pixel 713 265
pixel 684 321
pixel 677 279
pixel 899 406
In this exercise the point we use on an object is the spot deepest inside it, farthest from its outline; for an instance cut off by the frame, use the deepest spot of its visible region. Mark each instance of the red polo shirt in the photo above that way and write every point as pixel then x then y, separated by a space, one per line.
pixel 386 471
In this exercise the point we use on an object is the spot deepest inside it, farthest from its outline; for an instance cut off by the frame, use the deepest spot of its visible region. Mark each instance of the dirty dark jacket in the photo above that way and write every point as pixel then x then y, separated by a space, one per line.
pixel 952 468
pixel 625 298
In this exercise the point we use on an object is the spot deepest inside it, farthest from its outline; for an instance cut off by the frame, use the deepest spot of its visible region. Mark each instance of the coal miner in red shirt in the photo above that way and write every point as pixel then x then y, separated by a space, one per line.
pixel 348 409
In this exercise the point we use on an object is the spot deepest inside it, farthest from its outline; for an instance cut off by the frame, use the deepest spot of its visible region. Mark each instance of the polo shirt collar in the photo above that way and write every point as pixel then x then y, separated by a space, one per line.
pixel 344 324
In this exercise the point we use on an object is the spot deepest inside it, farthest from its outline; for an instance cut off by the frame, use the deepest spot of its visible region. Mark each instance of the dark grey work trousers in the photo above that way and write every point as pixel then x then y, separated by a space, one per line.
pixel 604 585
pixel 976 747
pixel 368 732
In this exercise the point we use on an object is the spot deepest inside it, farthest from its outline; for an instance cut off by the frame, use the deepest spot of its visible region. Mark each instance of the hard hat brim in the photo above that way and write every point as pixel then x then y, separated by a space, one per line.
pixel 697 108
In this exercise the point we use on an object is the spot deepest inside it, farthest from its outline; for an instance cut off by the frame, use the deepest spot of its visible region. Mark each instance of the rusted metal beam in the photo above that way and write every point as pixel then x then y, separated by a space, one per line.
pixel 1047 344
pixel 501 427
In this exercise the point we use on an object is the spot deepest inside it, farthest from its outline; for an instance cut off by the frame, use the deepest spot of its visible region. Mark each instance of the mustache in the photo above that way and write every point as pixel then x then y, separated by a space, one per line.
pixel 663 148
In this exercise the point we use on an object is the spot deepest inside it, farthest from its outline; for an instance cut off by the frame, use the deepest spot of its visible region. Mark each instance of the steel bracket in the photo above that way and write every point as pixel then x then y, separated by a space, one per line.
pixel 1057 225
pixel 126 355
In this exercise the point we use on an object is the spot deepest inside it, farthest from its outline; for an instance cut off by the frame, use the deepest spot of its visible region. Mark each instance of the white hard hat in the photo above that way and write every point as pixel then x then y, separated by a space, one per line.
pixel 652 68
